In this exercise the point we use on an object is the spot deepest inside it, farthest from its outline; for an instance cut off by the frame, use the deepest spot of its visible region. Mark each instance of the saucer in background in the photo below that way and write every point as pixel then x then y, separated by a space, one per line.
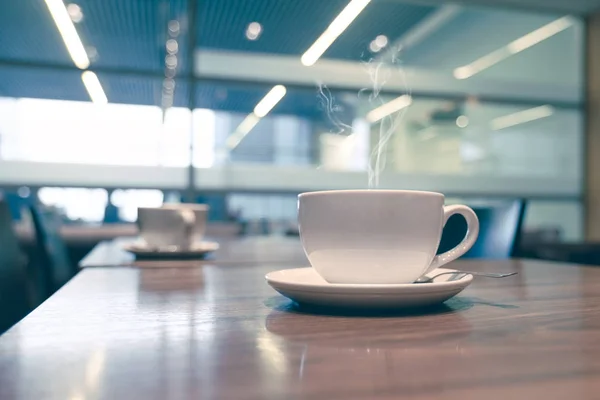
pixel 196 250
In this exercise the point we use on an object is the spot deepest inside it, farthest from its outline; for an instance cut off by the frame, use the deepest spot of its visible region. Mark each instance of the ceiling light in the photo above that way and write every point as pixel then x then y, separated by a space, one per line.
pixel 75 13
pixel 264 106
pixel 171 61
pixel 514 47
pixel 378 43
pixel 521 117
pixel 462 121
pixel 381 41
pixel 169 84
pixel 253 31
pixel 482 63
pixel 166 101
pixel 172 46
pixel 69 33
pixel 269 101
pixel 333 31
pixel 374 47
pixel 428 133
pixel 93 87
pixel 388 108
pixel 242 130
pixel 169 72
pixel 23 192
pixel 174 27
pixel 540 34
pixel 92 53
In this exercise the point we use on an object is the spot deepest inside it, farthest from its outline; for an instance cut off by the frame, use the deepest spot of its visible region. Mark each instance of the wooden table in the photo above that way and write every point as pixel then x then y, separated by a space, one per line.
pixel 78 233
pixel 81 233
pixel 248 250
pixel 220 332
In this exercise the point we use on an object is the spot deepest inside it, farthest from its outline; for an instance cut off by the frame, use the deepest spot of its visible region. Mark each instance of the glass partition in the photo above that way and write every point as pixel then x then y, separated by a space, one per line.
pixel 260 96
pixel 430 136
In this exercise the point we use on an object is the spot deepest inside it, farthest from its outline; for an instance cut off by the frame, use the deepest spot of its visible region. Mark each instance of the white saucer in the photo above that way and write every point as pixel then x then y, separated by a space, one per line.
pixel 199 249
pixel 305 286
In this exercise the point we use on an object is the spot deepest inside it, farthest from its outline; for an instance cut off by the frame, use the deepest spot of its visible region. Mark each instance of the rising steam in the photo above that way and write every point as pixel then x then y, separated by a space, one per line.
pixel 333 110
pixel 388 124
pixel 379 73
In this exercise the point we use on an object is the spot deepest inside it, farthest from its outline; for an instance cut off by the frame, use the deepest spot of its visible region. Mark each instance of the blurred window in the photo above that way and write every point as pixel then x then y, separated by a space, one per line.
pixel 76 204
pixel 129 200
pixel 58 131
pixel 255 206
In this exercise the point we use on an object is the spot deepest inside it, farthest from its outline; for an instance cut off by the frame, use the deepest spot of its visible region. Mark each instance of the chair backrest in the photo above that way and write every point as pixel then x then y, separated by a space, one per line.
pixel 15 294
pixel 111 214
pixel 51 249
pixel 499 230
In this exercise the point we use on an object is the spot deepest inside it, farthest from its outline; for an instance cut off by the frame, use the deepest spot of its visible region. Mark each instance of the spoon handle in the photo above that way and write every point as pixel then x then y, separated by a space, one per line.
pixel 486 274
pixel 460 274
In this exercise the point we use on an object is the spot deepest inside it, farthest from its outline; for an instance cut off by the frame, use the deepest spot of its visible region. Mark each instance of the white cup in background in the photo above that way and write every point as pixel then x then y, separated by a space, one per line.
pixel 200 217
pixel 172 225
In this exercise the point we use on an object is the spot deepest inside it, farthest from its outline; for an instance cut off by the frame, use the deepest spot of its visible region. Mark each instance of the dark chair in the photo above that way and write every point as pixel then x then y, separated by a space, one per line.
pixel 499 231
pixel 111 214
pixel 15 204
pixel 265 226
pixel 51 250
pixel 15 288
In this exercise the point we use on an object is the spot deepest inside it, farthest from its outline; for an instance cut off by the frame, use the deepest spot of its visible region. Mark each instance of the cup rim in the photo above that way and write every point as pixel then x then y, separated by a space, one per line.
pixel 189 206
pixel 366 191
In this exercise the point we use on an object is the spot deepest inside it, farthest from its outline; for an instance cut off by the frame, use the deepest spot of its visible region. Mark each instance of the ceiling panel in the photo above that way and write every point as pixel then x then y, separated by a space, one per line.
pixel 42 83
pixel 379 18
pixel 128 34
pixel 28 33
pixel 290 27
pixel 131 35
pixel 582 7
pixel 140 90
pixel 67 85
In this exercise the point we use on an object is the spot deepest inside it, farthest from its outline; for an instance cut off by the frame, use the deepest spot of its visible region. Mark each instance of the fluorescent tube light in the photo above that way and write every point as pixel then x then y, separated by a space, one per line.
pixel 264 106
pixel 388 108
pixel 514 47
pixel 93 87
pixel 69 33
pixel 269 101
pixel 242 130
pixel 333 31
pixel 521 117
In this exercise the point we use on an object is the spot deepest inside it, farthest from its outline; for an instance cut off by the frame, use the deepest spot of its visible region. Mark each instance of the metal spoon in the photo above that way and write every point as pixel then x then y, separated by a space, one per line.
pixel 460 274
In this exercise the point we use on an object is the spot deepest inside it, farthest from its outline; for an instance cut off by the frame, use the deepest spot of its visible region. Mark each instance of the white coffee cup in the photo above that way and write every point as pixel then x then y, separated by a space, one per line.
pixel 200 217
pixel 172 226
pixel 378 236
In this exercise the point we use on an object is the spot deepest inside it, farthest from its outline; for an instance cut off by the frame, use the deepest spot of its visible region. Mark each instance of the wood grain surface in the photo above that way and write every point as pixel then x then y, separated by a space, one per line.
pixel 248 250
pixel 77 233
pixel 220 332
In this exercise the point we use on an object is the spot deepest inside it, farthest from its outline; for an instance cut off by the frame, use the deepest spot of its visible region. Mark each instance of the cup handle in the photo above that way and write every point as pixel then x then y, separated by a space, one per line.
pixel 467 242
pixel 189 220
